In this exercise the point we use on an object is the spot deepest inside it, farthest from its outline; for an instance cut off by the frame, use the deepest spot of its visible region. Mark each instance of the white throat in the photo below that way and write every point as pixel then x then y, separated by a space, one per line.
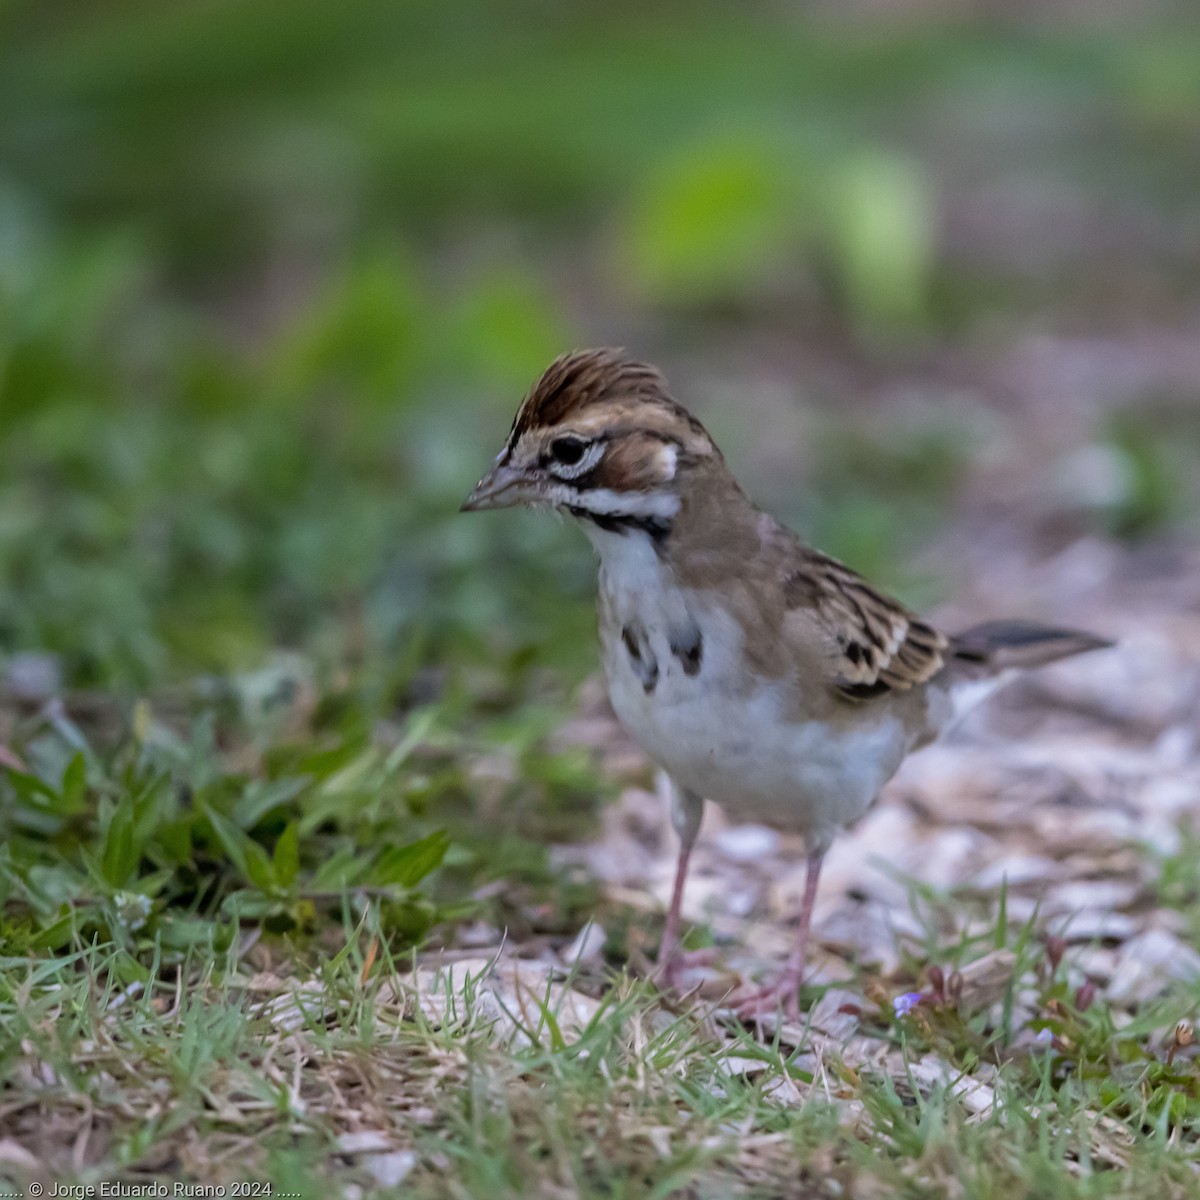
pixel 627 556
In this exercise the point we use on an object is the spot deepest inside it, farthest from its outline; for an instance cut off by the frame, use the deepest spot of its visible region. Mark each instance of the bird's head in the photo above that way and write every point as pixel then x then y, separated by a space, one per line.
pixel 600 437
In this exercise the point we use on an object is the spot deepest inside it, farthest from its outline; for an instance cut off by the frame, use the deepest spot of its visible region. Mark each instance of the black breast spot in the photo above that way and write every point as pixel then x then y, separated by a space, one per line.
pixel 627 636
pixel 641 657
pixel 688 646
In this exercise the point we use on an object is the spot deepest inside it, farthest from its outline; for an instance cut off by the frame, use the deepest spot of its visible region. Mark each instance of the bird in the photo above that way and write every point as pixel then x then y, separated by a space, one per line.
pixel 757 672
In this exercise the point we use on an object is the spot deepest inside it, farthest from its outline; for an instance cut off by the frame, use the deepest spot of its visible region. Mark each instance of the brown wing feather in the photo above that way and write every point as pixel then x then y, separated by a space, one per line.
pixel 876 644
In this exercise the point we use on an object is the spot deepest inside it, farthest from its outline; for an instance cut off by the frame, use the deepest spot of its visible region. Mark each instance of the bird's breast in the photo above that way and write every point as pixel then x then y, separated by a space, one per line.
pixel 680 682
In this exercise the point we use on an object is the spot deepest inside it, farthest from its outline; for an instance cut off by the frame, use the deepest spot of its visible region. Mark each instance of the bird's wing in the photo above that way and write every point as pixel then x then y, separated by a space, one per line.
pixel 872 645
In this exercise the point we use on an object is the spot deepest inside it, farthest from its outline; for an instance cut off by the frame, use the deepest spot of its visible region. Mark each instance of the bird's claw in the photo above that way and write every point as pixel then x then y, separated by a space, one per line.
pixel 753 1003
pixel 670 972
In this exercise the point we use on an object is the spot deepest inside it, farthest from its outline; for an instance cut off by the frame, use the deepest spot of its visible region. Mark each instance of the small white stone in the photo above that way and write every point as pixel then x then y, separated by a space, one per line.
pixel 746 843
pixel 1148 962
pixel 389 1170
pixel 364 1141
pixel 587 946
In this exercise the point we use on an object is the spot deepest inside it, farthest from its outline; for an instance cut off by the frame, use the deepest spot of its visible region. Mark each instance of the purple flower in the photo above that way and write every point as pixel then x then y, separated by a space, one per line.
pixel 905 1003
pixel 1044 1037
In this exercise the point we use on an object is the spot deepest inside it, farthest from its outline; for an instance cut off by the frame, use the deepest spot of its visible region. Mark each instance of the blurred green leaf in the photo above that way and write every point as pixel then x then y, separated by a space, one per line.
pixel 285 863
pixel 74 784
pixel 248 857
pixel 406 866
pixel 504 329
pixel 364 337
pixel 30 788
pixel 120 852
pixel 881 214
pixel 719 223
pixel 1154 473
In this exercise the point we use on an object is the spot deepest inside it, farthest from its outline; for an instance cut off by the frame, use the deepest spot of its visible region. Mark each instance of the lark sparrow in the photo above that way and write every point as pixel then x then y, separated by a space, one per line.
pixel 757 672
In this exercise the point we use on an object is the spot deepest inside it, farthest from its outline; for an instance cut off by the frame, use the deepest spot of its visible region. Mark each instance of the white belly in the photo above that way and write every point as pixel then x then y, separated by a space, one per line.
pixel 722 736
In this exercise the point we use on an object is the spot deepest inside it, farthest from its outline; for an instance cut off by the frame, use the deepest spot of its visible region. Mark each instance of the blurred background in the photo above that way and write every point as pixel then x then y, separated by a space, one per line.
pixel 274 277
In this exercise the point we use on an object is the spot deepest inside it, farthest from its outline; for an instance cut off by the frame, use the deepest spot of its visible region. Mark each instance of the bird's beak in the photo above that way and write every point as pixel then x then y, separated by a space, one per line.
pixel 502 487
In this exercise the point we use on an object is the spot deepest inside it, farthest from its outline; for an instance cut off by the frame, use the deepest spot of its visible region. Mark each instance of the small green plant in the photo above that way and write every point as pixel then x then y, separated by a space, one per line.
pixel 155 845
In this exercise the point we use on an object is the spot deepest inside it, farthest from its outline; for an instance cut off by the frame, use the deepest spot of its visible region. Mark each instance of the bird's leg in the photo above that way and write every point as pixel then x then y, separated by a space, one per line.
pixel 687 809
pixel 785 991
pixel 668 951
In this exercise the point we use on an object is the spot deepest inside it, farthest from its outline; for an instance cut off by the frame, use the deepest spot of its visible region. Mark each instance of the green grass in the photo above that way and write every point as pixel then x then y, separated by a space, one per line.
pixel 223 1069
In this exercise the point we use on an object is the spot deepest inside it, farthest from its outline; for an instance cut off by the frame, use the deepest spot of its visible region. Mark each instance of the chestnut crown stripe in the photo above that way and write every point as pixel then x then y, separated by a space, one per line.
pixel 576 381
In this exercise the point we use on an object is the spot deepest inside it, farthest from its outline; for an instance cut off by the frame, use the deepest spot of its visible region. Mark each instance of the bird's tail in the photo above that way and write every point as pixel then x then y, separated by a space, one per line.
pixel 1000 645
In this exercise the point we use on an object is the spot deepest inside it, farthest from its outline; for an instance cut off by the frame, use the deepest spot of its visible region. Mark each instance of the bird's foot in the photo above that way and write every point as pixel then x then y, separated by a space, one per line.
pixel 753 1003
pixel 671 972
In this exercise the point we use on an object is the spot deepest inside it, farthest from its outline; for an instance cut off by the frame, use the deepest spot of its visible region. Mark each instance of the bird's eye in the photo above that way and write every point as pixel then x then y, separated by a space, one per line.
pixel 567 450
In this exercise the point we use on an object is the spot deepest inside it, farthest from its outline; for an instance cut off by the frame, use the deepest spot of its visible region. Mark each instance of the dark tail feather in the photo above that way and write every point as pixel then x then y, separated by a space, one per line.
pixel 1002 644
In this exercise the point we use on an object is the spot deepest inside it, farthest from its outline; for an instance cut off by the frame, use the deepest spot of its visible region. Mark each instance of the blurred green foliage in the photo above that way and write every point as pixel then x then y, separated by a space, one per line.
pixel 1156 449
pixel 172 501
pixel 272 277
pixel 272 280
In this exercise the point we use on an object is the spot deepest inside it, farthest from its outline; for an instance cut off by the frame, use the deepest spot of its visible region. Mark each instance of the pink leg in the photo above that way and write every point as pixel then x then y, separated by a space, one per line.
pixel 785 990
pixel 686 813
pixel 669 954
